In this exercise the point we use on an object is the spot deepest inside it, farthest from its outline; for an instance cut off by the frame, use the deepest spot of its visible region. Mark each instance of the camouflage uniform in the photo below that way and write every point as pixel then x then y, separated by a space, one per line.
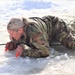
pixel 41 33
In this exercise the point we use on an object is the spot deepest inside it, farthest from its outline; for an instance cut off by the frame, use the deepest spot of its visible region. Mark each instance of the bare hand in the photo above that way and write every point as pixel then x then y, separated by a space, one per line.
pixel 19 51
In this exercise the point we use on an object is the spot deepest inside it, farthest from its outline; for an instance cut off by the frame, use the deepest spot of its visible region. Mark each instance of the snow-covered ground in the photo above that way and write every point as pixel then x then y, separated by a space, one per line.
pixel 58 63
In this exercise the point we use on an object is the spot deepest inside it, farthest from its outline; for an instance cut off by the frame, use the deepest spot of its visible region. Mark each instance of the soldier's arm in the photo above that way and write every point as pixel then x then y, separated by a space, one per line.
pixel 39 46
pixel 63 34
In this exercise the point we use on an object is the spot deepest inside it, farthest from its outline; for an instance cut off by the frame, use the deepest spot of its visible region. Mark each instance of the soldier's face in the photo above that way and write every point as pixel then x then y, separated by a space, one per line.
pixel 15 34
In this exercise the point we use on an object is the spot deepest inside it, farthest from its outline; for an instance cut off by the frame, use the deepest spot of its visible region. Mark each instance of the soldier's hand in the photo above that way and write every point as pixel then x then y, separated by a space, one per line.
pixel 10 46
pixel 19 51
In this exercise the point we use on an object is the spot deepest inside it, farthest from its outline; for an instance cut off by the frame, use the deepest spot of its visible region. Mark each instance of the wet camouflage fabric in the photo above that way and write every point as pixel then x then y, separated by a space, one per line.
pixel 42 32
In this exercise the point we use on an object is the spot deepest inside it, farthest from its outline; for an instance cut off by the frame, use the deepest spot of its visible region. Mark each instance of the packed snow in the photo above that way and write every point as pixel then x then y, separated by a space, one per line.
pixel 59 62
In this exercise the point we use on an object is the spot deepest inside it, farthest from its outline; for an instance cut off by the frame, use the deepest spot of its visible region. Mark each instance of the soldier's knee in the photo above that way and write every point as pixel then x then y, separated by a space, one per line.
pixel 45 53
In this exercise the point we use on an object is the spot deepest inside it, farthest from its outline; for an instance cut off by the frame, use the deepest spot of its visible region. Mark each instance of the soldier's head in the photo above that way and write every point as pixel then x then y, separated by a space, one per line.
pixel 15 27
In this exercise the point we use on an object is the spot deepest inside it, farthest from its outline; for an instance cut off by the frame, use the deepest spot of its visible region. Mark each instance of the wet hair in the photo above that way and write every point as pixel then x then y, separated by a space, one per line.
pixel 16 23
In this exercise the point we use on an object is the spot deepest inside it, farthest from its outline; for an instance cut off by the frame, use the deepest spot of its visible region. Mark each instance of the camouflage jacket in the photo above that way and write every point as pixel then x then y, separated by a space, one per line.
pixel 41 33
